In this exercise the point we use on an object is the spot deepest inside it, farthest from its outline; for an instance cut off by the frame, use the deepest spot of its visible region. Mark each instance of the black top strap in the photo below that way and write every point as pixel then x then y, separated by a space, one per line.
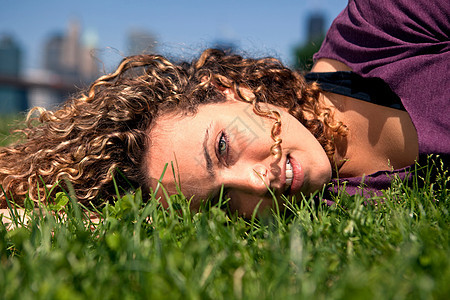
pixel 347 83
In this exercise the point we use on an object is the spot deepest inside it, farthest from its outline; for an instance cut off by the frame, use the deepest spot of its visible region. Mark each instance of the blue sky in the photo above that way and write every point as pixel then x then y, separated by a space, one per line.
pixel 183 28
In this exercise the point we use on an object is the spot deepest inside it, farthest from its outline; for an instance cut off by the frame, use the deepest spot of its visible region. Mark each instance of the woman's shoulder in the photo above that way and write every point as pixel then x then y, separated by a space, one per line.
pixel 329 65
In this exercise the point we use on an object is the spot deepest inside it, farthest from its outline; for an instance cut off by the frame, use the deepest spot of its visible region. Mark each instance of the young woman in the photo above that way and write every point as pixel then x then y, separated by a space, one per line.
pixel 252 126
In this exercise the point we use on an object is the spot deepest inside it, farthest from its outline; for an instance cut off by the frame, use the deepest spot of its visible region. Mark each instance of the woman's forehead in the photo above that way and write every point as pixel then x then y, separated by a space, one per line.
pixel 176 140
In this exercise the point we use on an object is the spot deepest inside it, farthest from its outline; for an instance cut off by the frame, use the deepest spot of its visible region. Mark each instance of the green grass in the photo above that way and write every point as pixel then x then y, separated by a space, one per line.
pixel 8 123
pixel 397 249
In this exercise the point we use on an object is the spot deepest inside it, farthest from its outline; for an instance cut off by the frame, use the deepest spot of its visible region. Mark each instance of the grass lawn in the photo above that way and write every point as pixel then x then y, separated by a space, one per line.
pixel 8 123
pixel 396 249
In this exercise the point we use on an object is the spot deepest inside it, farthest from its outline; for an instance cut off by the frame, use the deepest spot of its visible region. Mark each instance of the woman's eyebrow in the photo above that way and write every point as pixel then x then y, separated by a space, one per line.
pixel 209 163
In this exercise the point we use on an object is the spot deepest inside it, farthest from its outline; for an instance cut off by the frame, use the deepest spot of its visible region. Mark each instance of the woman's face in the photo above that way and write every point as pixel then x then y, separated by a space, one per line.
pixel 228 144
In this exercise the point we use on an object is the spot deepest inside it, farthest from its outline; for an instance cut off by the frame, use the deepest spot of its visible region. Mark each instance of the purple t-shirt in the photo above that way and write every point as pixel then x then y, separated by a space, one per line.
pixel 406 43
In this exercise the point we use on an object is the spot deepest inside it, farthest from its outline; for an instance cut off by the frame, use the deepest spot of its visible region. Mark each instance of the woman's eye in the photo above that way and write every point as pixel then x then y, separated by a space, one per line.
pixel 223 145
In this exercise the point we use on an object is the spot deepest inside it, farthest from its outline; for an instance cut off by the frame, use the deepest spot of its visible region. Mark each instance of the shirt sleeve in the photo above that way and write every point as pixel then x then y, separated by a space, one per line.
pixel 406 44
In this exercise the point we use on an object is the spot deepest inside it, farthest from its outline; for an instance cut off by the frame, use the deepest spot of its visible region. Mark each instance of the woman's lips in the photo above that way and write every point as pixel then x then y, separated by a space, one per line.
pixel 297 180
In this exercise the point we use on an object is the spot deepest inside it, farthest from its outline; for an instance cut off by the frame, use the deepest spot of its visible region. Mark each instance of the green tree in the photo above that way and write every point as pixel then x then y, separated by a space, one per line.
pixel 303 54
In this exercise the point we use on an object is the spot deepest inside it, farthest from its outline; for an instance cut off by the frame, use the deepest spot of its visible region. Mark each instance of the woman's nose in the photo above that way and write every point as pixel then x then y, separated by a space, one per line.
pixel 254 179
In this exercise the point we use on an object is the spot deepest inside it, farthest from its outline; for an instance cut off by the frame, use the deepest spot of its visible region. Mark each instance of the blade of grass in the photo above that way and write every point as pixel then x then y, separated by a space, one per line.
pixel 12 212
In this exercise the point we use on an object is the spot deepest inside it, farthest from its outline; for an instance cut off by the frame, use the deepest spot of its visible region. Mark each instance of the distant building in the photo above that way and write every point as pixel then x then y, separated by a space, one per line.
pixel 316 27
pixel 45 89
pixel 53 53
pixel 89 66
pixel 69 61
pixel 12 98
pixel 71 51
pixel 315 33
pixel 10 56
pixel 140 41
pixel 69 57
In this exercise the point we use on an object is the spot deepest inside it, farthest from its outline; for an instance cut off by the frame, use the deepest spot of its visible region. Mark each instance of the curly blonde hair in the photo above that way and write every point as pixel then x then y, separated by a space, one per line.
pixel 103 132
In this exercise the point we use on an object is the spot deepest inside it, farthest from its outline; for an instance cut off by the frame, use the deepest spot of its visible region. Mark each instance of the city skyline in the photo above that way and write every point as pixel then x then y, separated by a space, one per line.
pixel 67 53
pixel 181 29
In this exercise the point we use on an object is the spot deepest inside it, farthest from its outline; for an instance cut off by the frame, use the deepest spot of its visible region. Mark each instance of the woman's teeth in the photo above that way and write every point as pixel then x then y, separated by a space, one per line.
pixel 289 174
